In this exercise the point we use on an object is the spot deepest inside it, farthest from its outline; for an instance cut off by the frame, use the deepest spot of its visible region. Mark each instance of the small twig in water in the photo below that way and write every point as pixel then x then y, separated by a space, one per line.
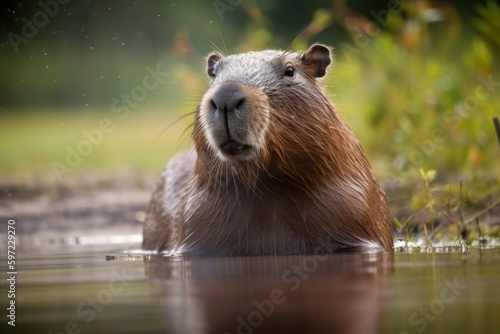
pixel 482 212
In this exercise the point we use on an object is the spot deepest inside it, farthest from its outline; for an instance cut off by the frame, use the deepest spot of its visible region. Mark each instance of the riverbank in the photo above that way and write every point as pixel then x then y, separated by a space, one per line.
pixel 99 209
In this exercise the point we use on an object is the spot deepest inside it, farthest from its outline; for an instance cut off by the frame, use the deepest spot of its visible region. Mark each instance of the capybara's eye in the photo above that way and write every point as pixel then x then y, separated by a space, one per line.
pixel 289 71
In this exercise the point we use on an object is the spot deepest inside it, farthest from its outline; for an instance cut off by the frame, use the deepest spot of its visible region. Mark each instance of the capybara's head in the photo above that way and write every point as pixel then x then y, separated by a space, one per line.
pixel 265 114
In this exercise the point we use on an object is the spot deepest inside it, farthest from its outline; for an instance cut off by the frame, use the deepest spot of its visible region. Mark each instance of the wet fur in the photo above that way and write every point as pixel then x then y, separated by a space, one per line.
pixel 309 189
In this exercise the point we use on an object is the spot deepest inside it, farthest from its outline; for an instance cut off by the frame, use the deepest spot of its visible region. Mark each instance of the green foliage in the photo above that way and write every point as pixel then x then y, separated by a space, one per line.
pixel 418 106
pixel 488 22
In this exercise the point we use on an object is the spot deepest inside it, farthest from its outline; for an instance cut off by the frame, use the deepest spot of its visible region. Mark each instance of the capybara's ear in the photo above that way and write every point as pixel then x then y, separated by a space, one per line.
pixel 212 59
pixel 316 59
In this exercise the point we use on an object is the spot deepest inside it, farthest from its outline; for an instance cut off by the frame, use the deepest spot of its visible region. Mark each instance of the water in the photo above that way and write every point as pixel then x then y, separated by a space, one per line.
pixel 132 292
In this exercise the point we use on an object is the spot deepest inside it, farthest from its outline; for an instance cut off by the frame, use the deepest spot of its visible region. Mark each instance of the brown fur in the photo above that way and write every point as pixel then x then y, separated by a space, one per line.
pixel 305 185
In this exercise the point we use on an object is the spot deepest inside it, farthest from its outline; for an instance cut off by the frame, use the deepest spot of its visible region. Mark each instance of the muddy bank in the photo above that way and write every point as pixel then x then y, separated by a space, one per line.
pixel 91 210
pixel 105 211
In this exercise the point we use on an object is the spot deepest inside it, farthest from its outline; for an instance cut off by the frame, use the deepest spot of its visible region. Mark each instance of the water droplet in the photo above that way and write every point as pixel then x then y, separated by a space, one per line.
pixel 47 66
pixel 123 43
pixel 91 48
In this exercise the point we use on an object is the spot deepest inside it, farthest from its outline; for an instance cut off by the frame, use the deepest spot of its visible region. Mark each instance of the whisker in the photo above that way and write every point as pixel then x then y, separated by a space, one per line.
pixel 179 95
pixel 172 122
pixel 184 135
pixel 223 44
pixel 289 48
pixel 215 48
pixel 182 85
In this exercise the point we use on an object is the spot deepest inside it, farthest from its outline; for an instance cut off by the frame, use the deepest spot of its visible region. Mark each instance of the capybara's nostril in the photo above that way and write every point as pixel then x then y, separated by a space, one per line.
pixel 239 104
pixel 213 105
pixel 228 97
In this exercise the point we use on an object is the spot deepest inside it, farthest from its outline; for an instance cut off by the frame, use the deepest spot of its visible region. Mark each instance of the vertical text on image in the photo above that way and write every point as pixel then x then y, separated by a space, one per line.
pixel 11 272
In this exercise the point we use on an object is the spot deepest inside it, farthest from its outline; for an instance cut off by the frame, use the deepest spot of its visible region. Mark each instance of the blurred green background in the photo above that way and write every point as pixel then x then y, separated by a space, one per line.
pixel 92 86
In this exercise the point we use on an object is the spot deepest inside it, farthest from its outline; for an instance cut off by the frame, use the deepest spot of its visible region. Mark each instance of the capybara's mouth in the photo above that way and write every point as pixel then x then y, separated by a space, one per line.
pixel 232 148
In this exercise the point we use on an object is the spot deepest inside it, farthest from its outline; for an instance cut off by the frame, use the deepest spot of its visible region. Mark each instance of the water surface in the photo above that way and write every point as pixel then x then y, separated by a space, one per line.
pixel 128 292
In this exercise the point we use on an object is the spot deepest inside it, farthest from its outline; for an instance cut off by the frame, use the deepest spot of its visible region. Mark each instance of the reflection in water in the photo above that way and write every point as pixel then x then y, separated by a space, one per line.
pixel 338 293
pixel 80 292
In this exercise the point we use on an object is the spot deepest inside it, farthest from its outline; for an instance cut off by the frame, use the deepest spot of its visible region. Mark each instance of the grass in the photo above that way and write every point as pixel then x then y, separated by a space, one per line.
pixel 446 210
pixel 32 142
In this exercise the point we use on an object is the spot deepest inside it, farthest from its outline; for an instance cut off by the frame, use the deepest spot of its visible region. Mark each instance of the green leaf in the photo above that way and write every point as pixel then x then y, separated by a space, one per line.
pixel 397 223
pixel 430 175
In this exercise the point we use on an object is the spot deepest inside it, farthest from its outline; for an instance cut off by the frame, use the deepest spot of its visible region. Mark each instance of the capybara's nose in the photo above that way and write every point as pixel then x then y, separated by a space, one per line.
pixel 228 98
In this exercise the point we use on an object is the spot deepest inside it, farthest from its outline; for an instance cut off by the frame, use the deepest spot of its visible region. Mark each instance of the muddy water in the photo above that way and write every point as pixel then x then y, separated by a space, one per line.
pixel 129 292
